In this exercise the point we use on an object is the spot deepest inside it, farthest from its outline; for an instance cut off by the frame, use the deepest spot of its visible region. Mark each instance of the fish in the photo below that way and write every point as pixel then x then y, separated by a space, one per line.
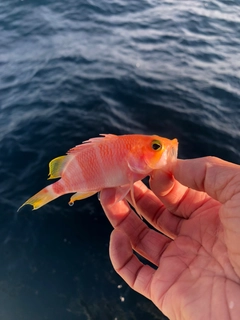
pixel 107 161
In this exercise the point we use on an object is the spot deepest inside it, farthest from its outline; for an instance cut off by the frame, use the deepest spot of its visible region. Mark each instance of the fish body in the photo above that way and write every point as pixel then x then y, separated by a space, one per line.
pixel 105 162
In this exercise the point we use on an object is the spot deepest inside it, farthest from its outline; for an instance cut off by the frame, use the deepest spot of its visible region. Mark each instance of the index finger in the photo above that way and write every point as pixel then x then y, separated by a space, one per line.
pixel 147 242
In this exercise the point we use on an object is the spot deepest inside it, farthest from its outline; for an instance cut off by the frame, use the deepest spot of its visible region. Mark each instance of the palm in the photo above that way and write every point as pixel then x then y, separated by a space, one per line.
pixel 193 264
pixel 198 264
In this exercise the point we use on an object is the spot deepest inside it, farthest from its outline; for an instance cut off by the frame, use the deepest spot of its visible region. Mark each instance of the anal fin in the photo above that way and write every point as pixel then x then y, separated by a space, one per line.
pixel 80 196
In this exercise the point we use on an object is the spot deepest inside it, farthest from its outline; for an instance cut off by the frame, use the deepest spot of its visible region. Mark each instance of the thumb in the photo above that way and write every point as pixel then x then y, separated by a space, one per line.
pixel 221 181
pixel 218 178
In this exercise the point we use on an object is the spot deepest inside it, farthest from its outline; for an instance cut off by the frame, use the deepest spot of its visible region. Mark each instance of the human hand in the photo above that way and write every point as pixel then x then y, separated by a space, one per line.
pixel 197 257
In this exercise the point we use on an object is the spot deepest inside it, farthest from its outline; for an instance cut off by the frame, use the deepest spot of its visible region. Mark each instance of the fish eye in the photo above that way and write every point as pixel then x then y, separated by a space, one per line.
pixel 156 145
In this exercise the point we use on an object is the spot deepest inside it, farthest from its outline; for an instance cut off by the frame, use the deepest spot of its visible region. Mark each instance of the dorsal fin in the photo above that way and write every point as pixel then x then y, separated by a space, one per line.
pixel 87 143
pixel 56 167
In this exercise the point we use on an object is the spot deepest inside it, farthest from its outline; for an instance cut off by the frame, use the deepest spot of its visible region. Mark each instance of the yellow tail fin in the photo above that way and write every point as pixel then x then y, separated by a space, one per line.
pixel 41 198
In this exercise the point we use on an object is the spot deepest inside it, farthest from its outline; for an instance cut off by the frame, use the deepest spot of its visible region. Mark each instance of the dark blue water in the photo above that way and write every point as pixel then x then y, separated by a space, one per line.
pixel 70 70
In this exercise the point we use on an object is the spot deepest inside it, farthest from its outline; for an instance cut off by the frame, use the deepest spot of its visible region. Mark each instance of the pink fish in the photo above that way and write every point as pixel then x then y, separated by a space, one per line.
pixel 106 162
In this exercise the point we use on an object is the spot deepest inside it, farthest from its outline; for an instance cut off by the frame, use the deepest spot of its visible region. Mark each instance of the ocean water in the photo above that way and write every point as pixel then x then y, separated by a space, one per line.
pixel 70 70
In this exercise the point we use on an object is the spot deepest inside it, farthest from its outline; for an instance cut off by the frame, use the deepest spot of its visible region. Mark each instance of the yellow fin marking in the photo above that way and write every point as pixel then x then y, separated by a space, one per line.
pixel 56 167
pixel 80 196
pixel 40 199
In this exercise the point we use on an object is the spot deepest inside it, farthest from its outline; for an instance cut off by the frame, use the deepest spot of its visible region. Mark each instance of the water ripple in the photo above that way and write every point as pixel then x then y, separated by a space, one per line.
pixel 71 70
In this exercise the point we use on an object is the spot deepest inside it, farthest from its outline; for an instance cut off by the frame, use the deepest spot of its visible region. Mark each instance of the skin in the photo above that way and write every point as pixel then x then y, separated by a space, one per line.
pixel 197 256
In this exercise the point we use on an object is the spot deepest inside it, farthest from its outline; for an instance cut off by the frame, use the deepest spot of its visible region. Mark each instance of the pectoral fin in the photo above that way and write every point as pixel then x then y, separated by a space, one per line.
pixel 121 192
pixel 131 180
pixel 138 165
pixel 80 196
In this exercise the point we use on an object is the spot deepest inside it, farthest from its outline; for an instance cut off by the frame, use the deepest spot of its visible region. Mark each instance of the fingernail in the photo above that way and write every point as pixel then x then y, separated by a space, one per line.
pixel 107 196
pixel 161 182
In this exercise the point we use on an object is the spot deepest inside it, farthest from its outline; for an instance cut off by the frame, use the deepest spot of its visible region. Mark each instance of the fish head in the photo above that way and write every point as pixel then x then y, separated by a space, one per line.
pixel 160 152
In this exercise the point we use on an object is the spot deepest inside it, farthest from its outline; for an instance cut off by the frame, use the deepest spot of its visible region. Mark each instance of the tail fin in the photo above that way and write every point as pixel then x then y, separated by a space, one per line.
pixel 41 198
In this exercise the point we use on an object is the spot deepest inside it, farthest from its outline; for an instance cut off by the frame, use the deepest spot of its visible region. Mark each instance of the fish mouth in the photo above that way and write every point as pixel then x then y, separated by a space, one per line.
pixel 173 149
pixel 168 157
